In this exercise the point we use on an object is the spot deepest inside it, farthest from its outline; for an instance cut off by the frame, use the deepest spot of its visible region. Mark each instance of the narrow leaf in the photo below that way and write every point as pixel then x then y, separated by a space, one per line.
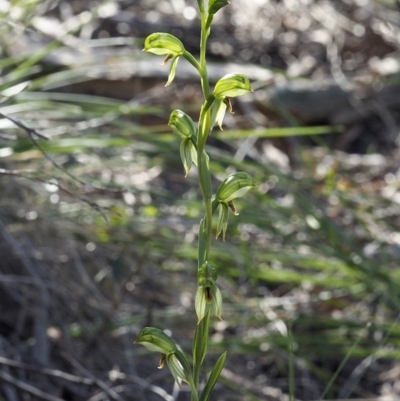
pixel 217 369
pixel 200 341
pixel 202 243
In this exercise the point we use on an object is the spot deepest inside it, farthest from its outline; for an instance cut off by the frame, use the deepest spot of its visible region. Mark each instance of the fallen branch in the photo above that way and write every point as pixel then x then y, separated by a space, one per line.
pixel 27 387
pixel 50 372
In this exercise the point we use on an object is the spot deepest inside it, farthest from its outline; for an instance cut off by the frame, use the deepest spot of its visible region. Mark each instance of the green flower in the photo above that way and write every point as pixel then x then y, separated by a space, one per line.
pixel 183 126
pixel 208 295
pixel 156 340
pixel 234 186
pixel 230 85
pixel 165 44
pixel 188 154
pixel 176 368
pixel 161 43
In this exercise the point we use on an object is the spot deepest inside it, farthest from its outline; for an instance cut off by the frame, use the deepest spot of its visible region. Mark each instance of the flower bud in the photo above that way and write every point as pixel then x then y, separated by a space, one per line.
pixel 164 44
pixel 156 340
pixel 206 273
pixel 215 5
pixel 232 85
pixel 181 124
pixel 234 186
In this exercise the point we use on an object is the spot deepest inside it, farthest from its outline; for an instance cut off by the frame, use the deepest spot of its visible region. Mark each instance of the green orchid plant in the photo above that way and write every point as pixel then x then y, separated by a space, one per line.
pixel 208 298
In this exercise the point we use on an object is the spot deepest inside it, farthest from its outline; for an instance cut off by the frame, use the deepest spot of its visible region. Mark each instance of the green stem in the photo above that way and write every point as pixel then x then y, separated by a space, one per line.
pixel 202 331
pixel 189 57
pixel 203 48
pixel 193 387
pixel 205 182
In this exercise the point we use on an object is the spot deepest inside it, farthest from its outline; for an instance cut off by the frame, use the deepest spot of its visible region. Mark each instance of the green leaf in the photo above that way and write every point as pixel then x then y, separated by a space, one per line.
pixel 280 132
pixel 200 341
pixel 216 371
pixel 215 5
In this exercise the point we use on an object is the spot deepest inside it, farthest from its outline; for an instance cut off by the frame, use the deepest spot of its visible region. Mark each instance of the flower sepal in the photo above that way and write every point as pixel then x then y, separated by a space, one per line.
pixel 208 295
pixel 161 44
pixel 182 125
pixel 156 340
pixel 232 85
pixel 234 186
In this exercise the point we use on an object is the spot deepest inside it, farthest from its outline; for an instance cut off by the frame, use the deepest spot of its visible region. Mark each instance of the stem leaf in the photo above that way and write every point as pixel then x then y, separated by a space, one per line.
pixel 216 371
pixel 200 342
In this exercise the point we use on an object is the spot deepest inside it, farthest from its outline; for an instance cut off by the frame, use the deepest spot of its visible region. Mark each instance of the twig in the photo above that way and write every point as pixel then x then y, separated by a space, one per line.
pixel 32 133
pixel 144 384
pixel 50 372
pixel 19 123
pixel 27 387
pixel 107 389
pixel 21 174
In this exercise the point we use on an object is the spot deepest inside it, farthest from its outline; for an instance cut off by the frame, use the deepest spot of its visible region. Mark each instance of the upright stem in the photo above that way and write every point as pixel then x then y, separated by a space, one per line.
pixel 205 233
pixel 204 128
pixel 203 47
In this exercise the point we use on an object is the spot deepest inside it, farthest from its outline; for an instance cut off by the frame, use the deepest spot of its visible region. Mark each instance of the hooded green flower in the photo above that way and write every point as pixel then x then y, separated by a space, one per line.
pixel 156 340
pixel 230 85
pixel 161 43
pixel 234 186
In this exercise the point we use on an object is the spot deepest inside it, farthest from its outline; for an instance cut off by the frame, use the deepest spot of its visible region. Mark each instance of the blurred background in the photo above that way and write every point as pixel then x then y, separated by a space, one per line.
pixel 98 225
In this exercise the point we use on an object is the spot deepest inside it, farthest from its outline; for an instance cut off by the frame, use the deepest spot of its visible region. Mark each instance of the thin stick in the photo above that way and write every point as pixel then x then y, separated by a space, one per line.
pixel 27 387
pixel 21 174
pixel 107 389
pixel 20 124
pixel 50 372
pixel 32 133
